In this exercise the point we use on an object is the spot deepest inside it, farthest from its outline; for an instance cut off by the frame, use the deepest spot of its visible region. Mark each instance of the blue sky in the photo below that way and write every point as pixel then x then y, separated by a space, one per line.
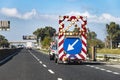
pixel 28 15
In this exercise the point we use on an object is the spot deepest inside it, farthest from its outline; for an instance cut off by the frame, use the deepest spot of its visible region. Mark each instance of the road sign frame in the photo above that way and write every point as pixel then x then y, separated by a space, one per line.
pixel 29 37
pixel 82 34
pixel 4 25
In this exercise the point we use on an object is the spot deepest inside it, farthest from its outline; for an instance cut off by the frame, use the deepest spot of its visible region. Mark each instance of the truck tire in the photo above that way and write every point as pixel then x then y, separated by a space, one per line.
pixel 58 61
pixel 79 62
pixel 55 60
pixel 51 58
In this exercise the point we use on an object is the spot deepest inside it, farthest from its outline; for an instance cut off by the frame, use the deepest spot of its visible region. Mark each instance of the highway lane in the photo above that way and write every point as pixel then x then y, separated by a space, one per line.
pixel 87 71
pixel 33 65
pixel 24 66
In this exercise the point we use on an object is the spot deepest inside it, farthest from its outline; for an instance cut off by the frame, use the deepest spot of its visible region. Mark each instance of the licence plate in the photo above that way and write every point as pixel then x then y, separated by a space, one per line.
pixel 72 58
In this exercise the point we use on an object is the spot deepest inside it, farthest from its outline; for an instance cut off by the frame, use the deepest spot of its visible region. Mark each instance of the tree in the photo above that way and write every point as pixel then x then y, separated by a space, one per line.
pixel 45 34
pixel 39 33
pixel 91 35
pixel 92 39
pixel 113 34
pixel 3 42
pixel 46 42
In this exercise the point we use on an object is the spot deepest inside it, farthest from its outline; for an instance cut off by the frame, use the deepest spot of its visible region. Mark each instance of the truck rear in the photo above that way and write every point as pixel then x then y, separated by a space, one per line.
pixel 29 45
pixel 72 44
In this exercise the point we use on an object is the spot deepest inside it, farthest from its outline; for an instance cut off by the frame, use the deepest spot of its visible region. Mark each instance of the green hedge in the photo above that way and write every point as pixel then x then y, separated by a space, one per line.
pixel 109 51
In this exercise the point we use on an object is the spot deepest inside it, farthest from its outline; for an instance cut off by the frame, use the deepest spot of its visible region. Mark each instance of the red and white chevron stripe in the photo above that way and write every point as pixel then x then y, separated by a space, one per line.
pixel 60 39
pixel 82 54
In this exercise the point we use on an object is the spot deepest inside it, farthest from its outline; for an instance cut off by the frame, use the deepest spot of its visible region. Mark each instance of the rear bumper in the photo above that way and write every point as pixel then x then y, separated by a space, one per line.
pixel 72 60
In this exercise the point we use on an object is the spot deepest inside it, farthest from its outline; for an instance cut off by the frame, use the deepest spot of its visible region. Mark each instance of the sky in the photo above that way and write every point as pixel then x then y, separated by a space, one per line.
pixel 26 16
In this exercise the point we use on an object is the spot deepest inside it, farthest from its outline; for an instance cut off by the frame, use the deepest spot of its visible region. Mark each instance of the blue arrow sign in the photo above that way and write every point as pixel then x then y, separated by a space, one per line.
pixel 72 45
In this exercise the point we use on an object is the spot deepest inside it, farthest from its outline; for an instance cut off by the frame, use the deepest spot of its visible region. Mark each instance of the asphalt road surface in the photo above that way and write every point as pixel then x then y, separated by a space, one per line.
pixel 33 65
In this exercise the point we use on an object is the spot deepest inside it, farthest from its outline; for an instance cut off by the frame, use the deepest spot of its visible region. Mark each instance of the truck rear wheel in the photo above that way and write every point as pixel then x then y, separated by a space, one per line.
pixel 55 60
pixel 79 62
pixel 51 58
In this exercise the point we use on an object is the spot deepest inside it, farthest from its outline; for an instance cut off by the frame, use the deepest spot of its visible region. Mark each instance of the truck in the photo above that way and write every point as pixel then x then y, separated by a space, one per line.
pixel 29 45
pixel 71 45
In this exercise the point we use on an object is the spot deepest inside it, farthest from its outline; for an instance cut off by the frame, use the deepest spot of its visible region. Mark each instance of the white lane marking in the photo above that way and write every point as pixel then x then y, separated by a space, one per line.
pixel 108 71
pixel 44 65
pixel 59 79
pixel 97 68
pixel 51 71
pixel 38 59
pixel 40 62
pixel 34 56
pixel 102 69
pixel 87 65
pixel 116 73
pixel 92 66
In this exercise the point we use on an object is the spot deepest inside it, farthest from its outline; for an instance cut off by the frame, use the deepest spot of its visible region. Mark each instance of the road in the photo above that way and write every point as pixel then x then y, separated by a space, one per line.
pixel 33 65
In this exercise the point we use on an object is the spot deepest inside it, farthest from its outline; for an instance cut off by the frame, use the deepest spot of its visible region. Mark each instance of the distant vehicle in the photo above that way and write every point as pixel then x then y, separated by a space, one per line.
pixel 20 46
pixel 52 51
pixel 29 45
pixel 119 45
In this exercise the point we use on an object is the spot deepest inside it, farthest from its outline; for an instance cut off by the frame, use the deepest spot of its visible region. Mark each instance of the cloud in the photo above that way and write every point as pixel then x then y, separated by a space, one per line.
pixel 92 18
pixel 13 12
pixel 29 14
pixel 82 14
pixel 9 12
pixel 47 16
pixel 103 18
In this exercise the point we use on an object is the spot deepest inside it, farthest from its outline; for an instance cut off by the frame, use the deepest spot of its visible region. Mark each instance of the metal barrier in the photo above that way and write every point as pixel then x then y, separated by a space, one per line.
pixel 108 57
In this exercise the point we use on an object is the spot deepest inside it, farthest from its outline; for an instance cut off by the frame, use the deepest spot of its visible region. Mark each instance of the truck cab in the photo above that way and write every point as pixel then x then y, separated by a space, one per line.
pixel 52 51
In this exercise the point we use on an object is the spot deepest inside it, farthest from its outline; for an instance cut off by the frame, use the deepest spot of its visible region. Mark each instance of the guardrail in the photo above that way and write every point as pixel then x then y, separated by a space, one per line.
pixel 6 52
pixel 108 57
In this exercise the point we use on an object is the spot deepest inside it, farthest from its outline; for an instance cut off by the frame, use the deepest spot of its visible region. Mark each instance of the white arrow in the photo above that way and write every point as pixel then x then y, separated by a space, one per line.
pixel 70 47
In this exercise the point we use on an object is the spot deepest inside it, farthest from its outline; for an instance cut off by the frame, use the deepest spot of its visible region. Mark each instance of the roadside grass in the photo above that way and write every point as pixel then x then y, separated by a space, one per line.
pixel 108 51
pixel 44 51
